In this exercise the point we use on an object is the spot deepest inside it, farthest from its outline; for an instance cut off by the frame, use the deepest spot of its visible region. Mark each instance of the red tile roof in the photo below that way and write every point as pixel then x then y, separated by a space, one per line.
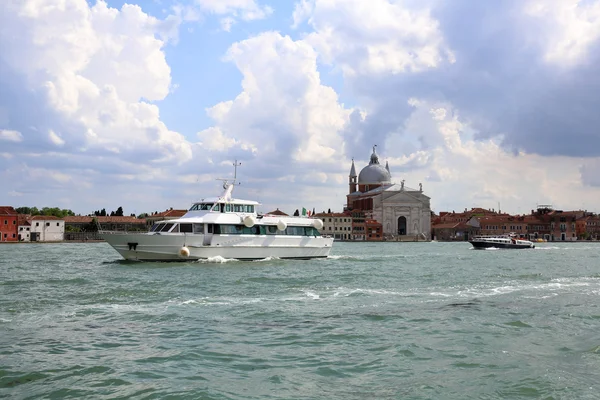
pixel 43 218
pixel 278 212
pixel 170 214
pixel 8 210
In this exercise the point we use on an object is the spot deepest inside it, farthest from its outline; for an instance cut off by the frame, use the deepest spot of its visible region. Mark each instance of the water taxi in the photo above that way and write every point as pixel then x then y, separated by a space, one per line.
pixel 509 241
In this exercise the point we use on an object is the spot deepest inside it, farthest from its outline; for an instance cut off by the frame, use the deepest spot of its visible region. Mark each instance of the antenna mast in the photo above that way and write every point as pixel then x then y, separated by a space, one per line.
pixel 235 165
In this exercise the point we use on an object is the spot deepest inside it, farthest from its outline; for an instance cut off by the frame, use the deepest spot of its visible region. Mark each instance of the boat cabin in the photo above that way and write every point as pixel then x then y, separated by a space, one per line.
pixel 232 229
pixel 224 207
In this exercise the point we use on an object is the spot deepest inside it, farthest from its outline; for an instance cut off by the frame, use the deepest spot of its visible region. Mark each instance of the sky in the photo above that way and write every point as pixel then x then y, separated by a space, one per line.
pixel 145 104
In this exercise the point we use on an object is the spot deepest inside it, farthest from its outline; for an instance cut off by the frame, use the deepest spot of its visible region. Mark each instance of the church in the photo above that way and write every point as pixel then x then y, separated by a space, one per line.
pixel 403 213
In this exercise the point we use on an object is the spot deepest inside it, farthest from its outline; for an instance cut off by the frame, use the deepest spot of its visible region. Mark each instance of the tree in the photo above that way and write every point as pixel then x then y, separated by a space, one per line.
pixel 92 226
pixel 329 211
pixel 296 213
pixel 119 212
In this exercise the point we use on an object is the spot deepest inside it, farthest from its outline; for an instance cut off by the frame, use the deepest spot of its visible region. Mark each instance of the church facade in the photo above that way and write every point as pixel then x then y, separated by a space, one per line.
pixel 404 213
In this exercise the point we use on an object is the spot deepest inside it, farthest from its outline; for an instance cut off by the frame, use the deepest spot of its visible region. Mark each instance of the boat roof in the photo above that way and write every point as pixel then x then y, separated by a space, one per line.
pixel 226 201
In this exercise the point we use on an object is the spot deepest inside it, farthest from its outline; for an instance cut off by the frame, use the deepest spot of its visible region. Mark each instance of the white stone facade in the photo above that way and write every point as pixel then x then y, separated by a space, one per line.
pixel 47 230
pixel 24 233
pixel 403 212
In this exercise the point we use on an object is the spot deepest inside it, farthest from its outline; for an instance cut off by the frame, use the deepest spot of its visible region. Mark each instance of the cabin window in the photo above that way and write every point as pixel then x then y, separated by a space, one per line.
pixel 270 230
pixel 199 228
pixel 202 206
pixel 231 229
pixel 311 231
pixel 155 228
pixel 295 230
pixel 166 227
pixel 176 229
pixel 255 230
pixel 227 207
pixel 237 208
pixel 185 228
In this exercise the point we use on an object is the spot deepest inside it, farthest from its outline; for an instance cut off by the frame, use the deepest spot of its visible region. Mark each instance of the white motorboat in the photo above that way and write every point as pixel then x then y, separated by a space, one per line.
pixel 509 241
pixel 224 227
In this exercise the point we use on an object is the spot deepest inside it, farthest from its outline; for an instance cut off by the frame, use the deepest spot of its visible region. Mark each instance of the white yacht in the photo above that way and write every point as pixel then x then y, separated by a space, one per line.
pixel 510 241
pixel 224 227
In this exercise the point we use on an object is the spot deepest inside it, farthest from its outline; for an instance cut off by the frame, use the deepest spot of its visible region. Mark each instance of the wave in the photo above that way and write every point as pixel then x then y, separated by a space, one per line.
pixel 216 260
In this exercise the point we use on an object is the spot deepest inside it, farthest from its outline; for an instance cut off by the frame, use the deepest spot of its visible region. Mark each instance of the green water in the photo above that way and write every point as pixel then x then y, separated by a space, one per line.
pixel 373 321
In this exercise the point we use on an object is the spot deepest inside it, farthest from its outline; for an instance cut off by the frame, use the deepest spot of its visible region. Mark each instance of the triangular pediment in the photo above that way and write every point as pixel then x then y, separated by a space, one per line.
pixel 405 197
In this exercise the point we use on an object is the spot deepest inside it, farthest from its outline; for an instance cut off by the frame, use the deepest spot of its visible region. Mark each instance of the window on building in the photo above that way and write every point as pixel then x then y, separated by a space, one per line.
pixel 47 223
pixel 37 224
pixel 14 236
pixel 5 222
pixel 14 222
pixel 57 224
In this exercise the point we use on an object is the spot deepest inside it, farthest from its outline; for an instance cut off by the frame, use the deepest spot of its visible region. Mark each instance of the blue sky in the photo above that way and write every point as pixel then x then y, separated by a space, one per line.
pixel 142 104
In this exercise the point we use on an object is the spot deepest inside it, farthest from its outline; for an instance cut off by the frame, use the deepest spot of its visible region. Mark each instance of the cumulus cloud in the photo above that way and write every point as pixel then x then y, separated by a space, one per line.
pixel 373 37
pixel 283 111
pixel 81 79
pixel 284 119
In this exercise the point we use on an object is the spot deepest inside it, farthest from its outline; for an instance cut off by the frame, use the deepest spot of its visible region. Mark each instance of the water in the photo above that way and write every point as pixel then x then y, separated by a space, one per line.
pixel 373 321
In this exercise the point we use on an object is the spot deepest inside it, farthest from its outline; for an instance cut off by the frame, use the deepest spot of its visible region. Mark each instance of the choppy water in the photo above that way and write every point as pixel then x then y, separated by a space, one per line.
pixel 374 321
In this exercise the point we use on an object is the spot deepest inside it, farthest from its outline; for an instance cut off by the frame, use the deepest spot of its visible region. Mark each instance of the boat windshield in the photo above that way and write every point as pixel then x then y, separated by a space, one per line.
pixel 201 207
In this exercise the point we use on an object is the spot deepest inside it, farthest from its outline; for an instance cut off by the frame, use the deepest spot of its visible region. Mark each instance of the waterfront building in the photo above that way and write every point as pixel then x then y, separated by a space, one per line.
pixel 44 228
pixel 338 225
pixel 161 216
pixel 86 223
pixel 588 227
pixel 8 224
pixel 404 213
pixel 24 231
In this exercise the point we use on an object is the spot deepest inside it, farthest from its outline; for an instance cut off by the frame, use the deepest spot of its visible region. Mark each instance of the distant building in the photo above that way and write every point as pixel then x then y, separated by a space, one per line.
pixel 84 223
pixel 338 225
pixel 8 224
pixel 24 231
pixel 161 216
pixel 278 212
pixel 402 212
pixel 46 228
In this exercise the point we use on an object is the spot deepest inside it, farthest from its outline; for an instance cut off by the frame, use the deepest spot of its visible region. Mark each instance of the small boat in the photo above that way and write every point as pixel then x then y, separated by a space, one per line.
pixel 509 241
pixel 224 227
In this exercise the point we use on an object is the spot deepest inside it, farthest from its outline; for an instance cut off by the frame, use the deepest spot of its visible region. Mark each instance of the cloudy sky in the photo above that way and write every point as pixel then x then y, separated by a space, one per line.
pixel 143 104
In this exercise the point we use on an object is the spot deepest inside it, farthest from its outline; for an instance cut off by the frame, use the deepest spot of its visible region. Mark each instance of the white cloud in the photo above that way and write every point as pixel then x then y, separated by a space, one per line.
pixel 247 10
pixel 572 26
pixel 10 135
pixel 459 172
pixel 96 68
pixel 284 111
pixel 378 36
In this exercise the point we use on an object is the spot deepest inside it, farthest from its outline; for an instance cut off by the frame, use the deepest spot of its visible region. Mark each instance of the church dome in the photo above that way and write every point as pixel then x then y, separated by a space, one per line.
pixel 374 173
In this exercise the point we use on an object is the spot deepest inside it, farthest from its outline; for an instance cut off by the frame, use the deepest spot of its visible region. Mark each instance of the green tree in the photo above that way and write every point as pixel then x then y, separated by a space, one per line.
pixel 119 212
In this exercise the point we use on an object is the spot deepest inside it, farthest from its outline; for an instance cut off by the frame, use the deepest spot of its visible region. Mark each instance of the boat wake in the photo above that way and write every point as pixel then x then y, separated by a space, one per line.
pixel 217 260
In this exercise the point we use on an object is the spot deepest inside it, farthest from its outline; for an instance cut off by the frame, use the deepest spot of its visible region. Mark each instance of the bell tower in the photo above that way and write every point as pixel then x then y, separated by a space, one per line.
pixel 352 179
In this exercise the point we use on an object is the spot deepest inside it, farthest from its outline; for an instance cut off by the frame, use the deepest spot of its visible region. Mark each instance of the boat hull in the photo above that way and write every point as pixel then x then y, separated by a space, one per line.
pixel 176 247
pixel 487 245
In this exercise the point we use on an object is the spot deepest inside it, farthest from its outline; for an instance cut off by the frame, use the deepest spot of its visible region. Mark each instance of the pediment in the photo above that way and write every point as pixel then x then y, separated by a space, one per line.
pixel 405 197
